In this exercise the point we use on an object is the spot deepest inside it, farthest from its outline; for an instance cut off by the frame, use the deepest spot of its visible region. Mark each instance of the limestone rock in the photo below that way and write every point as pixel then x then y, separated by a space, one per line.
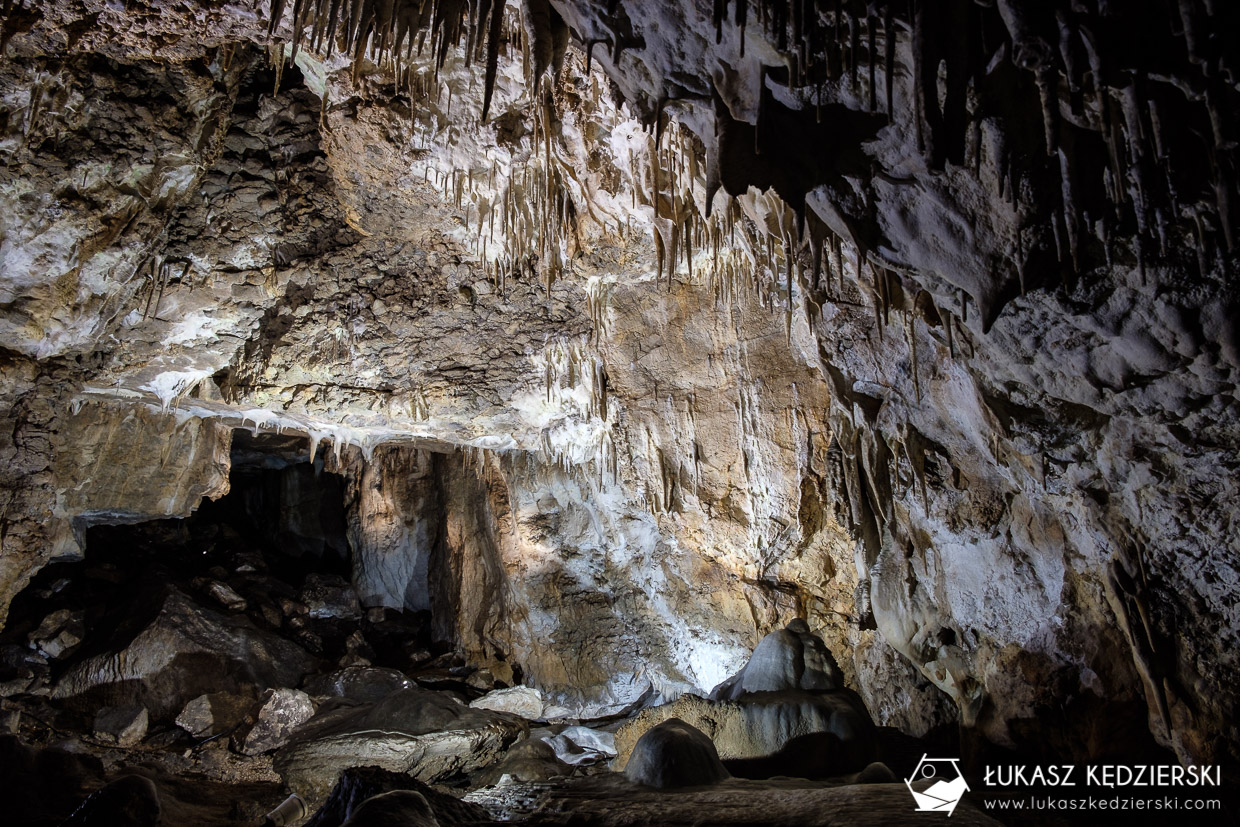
pixel 399 808
pixel 483 679
pixel 226 596
pixel 327 595
pixel 280 713
pixel 579 745
pixel 122 725
pixel 771 733
pixel 364 684
pixel 791 658
pixel 22 671
pixel 531 760
pixel 414 731
pixel 59 633
pixel 357 785
pixel 525 701
pixel 674 754
pixel 183 652
pixel 214 713
pixel 877 773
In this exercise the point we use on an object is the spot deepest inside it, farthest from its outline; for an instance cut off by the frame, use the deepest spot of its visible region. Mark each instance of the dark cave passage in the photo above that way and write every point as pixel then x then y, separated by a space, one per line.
pixel 274 550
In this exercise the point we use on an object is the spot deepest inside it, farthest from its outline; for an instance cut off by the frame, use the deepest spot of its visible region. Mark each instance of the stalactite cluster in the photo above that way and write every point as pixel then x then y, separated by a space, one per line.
pixel 392 31
pixel 1078 97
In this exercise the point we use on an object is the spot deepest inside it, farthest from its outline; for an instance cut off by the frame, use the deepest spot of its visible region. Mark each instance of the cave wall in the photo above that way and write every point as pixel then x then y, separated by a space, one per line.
pixel 976 420
pixel 394 507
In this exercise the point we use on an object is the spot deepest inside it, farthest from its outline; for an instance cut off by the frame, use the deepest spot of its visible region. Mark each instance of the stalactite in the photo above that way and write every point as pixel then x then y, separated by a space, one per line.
pixel 871 25
pixel 889 44
pixel 912 341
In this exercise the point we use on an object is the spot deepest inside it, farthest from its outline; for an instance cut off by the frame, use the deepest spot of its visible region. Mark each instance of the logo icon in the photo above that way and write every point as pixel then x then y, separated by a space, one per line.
pixel 947 784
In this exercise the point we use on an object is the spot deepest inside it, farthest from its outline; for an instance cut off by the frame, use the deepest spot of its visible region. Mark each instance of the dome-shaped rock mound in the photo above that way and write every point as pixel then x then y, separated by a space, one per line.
pixel 399 808
pixel 788 658
pixel 674 754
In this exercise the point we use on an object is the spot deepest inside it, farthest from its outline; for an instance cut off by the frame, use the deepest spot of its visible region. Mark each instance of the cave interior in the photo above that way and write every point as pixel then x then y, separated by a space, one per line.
pixel 455 412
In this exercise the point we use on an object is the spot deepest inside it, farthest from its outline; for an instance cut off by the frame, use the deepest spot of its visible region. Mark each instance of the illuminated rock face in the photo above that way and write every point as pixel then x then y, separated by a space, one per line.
pixel 974 420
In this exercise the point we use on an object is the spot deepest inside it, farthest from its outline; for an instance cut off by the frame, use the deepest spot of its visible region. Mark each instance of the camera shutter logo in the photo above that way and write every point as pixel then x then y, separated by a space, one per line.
pixel 947 784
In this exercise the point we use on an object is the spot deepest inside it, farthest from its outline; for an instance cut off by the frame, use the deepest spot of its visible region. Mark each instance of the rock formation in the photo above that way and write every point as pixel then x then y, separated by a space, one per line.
pixel 674 754
pixel 587 346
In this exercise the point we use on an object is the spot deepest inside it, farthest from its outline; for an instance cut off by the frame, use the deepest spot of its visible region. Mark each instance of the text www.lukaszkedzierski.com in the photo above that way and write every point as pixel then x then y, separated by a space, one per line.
pixel 1035 802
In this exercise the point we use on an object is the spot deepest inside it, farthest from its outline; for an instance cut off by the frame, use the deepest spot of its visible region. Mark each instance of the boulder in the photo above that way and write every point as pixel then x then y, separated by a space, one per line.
pixel 22 671
pixel 328 595
pixel 529 761
pixel 225 595
pixel 183 652
pixel 525 701
pixel 399 808
pixel 579 745
pixel 218 712
pixel 278 716
pixel 357 785
pixel 122 725
pixel 130 801
pixel 792 658
pixel 59 633
pixel 414 731
pixel 877 773
pixel 772 733
pixel 364 684
pixel 483 679
pixel 675 754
